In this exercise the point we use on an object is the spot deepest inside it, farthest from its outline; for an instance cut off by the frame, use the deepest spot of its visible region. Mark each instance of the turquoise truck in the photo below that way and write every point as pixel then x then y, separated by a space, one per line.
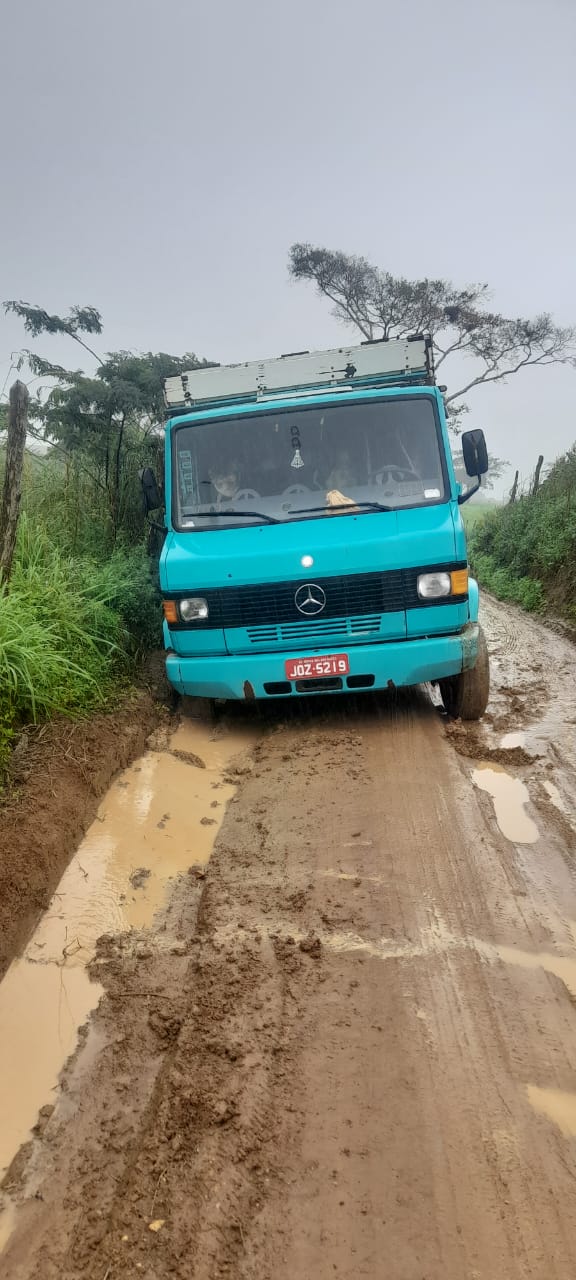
pixel 314 540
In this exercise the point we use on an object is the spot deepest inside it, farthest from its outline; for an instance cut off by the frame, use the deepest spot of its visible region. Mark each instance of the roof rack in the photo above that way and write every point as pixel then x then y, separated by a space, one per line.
pixel 393 362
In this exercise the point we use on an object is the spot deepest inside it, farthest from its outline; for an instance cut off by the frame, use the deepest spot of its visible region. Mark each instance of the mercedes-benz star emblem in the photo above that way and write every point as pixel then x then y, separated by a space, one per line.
pixel 310 599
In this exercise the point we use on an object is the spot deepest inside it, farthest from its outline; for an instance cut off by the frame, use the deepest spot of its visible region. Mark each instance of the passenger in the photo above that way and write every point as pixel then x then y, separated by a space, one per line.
pixel 342 475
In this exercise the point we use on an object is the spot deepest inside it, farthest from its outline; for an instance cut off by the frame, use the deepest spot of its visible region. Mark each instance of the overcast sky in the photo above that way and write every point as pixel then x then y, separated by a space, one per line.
pixel 160 158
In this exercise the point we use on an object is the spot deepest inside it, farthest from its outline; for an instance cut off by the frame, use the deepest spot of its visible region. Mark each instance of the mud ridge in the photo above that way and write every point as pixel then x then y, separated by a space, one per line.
pixel 470 742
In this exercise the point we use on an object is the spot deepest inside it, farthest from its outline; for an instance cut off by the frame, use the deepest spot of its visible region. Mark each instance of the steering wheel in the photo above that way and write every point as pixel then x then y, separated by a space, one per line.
pixel 246 495
pixel 392 474
pixel 294 489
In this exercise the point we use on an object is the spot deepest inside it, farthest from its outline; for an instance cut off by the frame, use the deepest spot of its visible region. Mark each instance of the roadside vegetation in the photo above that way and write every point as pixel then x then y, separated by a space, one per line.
pixel 526 551
pixel 81 607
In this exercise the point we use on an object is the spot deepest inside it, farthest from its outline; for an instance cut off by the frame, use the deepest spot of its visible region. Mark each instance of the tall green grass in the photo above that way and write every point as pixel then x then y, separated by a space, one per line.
pixel 526 552
pixel 71 628
pixel 65 498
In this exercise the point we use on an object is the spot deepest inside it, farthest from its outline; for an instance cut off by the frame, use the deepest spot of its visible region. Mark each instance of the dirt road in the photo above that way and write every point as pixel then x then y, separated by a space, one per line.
pixel 347 1048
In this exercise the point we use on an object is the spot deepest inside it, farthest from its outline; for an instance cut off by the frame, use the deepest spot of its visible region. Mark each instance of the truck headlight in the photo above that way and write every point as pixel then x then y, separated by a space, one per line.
pixel 194 609
pixel 432 586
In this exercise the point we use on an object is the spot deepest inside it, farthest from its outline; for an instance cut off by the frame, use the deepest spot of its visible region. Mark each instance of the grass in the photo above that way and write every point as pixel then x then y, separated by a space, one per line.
pixel 526 552
pixel 472 512
pixel 71 629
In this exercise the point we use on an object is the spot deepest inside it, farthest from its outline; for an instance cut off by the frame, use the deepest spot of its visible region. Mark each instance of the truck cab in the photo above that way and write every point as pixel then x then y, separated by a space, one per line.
pixel 314 536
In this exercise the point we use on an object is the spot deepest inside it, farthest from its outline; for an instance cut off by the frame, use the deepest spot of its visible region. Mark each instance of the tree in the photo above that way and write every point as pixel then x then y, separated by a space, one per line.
pixel 460 322
pixel 497 467
pixel 111 421
pixel 38 321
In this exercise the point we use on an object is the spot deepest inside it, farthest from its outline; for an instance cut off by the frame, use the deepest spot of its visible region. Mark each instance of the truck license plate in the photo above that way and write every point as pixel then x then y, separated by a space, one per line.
pixel 331 664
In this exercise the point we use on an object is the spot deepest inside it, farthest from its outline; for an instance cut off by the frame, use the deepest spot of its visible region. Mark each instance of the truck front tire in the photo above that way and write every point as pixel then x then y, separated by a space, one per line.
pixel 205 709
pixel 465 696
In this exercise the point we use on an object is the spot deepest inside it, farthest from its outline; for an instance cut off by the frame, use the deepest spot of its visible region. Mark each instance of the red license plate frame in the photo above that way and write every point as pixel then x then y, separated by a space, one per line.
pixel 320 667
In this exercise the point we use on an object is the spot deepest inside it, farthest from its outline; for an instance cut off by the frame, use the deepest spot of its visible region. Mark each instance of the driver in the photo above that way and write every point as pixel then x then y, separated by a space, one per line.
pixel 398 469
pixel 226 482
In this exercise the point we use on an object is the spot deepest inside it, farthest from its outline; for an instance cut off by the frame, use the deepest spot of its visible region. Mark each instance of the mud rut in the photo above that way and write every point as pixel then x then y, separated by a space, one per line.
pixel 347 1046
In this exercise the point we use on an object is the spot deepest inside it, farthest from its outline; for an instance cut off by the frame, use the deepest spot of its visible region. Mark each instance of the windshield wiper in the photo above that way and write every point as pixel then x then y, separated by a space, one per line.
pixel 219 515
pixel 342 506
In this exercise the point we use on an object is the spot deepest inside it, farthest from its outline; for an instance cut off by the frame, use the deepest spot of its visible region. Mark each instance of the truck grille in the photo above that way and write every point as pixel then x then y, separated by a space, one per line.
pixel 353 601
pixel 316 633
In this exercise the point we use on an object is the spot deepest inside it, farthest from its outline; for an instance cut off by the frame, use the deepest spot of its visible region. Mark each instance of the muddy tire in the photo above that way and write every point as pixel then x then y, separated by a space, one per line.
pixel 465 697
pixel 207 710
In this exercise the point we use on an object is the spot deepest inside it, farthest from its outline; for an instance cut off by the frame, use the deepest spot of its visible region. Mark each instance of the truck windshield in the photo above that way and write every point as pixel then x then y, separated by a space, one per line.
pixel 301 463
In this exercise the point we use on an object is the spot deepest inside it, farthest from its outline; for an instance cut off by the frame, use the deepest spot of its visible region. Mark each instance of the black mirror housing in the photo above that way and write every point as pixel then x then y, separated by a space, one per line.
pixel 150 491
pixel 475 453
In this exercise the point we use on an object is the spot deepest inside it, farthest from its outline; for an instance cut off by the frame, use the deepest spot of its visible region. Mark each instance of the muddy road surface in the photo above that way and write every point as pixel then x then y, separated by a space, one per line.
pixel 329 958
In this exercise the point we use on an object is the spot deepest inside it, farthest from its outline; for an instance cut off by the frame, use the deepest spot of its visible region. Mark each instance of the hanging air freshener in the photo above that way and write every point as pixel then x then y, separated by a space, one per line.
pixel 297 460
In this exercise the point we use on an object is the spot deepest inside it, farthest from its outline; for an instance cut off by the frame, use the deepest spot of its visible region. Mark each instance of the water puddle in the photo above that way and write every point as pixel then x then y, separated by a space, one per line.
pixel 7 1222
pixel 436 939
pixel 41 1008
pixel 357 877
pixel 555 797
pixel 563 967
pixel 159 818
pixel 510 796
pixel 557 1105
pixel 512 740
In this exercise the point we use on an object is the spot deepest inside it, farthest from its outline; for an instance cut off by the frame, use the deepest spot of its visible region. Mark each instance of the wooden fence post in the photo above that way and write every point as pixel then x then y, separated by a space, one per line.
pixel 536 480
pixel 12 489
pixel 514 489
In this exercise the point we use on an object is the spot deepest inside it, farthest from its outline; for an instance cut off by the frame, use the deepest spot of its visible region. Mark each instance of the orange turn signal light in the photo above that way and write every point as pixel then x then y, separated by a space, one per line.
pixel 459 582
pixel 170 611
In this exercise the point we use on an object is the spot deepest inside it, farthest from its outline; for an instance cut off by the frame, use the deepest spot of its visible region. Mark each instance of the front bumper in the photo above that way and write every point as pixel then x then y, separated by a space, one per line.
pixel 397 663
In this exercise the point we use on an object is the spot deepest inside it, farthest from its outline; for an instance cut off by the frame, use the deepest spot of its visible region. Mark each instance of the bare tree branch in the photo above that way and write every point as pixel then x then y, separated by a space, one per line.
pixel 458 320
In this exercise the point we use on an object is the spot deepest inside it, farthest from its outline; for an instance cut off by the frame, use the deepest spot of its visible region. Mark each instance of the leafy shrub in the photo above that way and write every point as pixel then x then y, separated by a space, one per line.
pixel 526 552
pixel 70 628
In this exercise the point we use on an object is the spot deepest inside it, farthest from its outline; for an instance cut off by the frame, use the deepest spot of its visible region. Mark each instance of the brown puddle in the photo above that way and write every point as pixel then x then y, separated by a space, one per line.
pixel 512 740
pixel 557 1105
pixel 7 1222
pixel 555 797
pixel 510 796
pixel 563 967
pixel 159 818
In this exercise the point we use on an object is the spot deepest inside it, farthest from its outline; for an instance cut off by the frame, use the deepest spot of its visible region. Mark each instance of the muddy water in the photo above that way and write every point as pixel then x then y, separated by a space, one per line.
pixel 510 796
pixel 563 967
pixel 7 1222
pixel 554 795
pixel 512 740
pixel 159 818
pixel 533 685
pixel 557 1105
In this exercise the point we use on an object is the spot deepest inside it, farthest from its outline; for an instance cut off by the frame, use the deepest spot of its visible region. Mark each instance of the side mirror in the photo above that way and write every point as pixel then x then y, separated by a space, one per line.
pixel 150 491
pixel 475 453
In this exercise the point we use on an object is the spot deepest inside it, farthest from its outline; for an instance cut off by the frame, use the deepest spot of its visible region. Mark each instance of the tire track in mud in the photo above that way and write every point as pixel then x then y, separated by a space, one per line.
pixel 343 1068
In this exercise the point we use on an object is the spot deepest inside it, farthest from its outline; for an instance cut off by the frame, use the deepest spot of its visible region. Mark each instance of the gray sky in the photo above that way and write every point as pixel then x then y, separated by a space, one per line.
pixel 161 158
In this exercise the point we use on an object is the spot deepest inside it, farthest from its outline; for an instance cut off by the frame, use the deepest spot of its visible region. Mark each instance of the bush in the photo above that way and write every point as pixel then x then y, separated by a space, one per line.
pixel 70 628
pixel 524 591
pixel 526 552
